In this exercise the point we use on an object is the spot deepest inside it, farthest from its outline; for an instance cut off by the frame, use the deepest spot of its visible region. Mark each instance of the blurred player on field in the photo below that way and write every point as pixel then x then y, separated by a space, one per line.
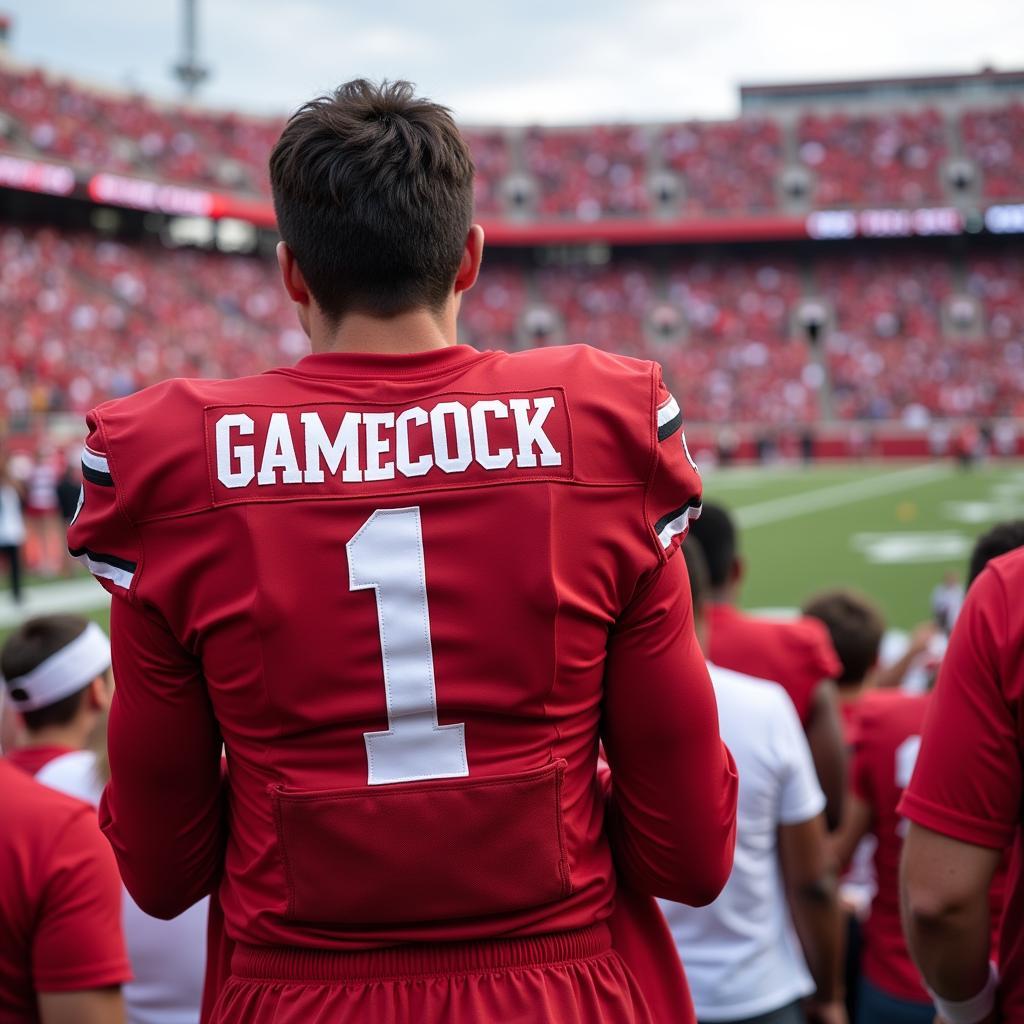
pixel 58 672
pixel 409 586
pixel 798 655
pixel 62 958
pixel 965 802
pixel 743 961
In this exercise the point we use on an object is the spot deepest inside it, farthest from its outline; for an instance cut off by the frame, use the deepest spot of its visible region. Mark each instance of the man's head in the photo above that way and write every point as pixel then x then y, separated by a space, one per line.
pixel 856 627
pixel 373 190
pixel 716 533
pixel 1000 540
pixel 57 671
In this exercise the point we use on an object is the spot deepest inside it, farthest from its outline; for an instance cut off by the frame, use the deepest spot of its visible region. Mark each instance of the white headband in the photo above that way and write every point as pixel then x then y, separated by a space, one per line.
pixel 63 673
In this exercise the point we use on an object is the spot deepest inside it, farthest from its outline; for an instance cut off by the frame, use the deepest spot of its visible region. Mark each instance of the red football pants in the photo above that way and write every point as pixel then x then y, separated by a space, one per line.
pixel 565 978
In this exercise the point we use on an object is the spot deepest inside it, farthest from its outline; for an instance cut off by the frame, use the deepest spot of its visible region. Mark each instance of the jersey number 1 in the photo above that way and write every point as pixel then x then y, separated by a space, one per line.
pixel 386 556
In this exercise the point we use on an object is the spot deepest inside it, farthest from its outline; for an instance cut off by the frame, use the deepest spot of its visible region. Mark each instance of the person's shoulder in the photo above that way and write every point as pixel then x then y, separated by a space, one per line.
pixel 578 361
pixel 881 712
pixel 757 698
pixel 35 811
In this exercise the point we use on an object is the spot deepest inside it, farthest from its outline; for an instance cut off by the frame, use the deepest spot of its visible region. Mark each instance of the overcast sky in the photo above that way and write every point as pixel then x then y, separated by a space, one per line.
pixel 518 61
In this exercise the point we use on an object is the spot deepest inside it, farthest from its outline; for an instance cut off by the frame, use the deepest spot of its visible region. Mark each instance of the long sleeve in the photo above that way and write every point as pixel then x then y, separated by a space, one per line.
pixel 672 813
pixel 163 810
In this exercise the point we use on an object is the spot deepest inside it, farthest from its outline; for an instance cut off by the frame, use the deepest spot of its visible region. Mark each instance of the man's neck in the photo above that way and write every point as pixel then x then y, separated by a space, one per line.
pixel 418 331
pixel 73 737
pixel 727 595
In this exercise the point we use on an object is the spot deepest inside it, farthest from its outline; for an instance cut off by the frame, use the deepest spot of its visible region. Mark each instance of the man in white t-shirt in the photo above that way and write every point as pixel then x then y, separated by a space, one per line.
pixel 57 674
pixel 744 959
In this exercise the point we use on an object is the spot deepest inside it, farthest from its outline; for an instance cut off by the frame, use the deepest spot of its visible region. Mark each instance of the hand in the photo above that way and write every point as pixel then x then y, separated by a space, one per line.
pixel 825 1013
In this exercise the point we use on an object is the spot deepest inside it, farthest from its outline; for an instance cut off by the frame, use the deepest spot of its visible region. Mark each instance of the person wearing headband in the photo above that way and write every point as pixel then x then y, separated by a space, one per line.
pixel 56 671
pixel 58 678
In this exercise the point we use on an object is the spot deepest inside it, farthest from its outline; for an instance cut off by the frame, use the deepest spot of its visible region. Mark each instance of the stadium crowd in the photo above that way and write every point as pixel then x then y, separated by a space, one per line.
pixel 84 318
pixel 720 167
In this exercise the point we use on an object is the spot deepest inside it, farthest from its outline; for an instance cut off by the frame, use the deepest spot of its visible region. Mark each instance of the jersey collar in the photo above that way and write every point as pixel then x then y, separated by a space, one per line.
pixel 430 363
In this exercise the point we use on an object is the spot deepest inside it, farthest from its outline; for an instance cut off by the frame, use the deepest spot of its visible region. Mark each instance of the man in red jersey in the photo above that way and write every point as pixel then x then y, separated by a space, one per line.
pixel 965 804
pixel 409 586
pixel 796 654
pixel 62 958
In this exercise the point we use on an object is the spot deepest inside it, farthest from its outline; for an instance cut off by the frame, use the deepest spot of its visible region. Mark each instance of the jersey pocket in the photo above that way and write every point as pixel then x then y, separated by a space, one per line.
pixel 424 851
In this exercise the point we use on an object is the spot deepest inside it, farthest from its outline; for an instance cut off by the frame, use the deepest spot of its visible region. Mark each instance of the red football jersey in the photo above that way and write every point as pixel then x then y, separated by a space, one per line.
pixel 798 655
pixel 409 593
pixel 887 739
pixel 33 759
pixel 60 898
pixel 968 780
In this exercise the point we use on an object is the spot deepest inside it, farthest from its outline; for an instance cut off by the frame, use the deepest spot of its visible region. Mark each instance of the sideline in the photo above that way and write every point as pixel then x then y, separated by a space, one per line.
pixel 79 595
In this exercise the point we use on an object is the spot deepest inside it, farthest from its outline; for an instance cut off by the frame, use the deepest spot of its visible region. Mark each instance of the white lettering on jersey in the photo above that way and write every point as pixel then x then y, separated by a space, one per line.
pixel 530 432
pixel 405 466
pixel 373 446
pixel 244 453
pixel 463 456
pixel 279 453
pixel 500 459
pixel 376 446
pixel 345 445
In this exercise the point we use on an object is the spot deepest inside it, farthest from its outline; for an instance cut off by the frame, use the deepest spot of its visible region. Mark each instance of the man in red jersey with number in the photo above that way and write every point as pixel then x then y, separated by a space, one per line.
pixel 410 586
pixel 797 654
pixel 965 802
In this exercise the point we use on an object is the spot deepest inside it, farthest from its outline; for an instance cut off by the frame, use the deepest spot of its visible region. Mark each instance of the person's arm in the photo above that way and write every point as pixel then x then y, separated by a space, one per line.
pixel 852 829
pixel 945 904
pixel 892 675
pixel 963 800
pixel 809 873
pixel 825 736
pixel 95 1006
pixel 672 810
pixel 163 810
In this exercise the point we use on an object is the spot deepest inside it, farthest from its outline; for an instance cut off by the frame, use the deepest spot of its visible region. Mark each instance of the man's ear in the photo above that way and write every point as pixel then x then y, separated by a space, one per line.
pixel 738 570
pixel 101 693
pixel 291 276
pixel 472 255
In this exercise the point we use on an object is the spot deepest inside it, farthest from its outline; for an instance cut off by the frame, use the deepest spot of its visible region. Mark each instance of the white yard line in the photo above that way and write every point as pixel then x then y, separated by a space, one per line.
pixel 777 509
pixel 79 595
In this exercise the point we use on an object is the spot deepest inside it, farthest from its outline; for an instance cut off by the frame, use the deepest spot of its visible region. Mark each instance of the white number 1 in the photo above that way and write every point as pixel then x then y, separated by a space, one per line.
pixel 386 556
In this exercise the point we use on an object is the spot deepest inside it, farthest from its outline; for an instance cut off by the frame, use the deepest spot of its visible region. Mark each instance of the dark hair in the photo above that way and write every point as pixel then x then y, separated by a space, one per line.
pixel 1001 539
pixel 27 648
pixel 373 190
pixel 856 627
pixel 717 535
pixel 697 568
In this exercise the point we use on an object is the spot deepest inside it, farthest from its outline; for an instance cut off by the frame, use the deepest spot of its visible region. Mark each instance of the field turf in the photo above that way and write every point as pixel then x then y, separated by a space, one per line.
pixel 888 530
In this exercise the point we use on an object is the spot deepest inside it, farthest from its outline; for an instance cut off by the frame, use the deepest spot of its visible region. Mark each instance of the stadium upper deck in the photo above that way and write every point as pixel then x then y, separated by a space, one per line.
pixel 797 152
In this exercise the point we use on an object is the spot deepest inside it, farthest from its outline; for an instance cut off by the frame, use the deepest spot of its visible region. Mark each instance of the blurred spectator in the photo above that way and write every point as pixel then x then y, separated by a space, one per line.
pixel 946 600
pixel 798 655
pixel 12 525
pixel 995 139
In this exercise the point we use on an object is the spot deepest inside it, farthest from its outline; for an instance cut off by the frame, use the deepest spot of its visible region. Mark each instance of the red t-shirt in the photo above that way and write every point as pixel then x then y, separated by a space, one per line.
pixel 409 593
pixel 60 898
pixel 797 655
pixel 968 780
pixel 33 759
pixel 887 738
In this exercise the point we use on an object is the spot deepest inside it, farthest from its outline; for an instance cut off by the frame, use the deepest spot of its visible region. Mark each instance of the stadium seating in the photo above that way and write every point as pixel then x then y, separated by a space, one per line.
pixel 726 167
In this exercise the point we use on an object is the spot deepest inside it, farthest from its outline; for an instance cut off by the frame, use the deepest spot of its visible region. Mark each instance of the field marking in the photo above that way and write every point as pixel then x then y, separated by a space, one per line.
pixel 79 595
pixel 777 509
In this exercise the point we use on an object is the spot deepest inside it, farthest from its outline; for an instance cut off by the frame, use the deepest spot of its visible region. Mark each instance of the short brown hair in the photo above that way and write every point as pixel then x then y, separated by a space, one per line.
pixel 856 627
pixel 27 648
pixel 373 190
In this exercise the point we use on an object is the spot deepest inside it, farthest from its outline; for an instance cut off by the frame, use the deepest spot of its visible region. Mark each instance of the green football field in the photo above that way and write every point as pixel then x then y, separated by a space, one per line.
pixel 888 530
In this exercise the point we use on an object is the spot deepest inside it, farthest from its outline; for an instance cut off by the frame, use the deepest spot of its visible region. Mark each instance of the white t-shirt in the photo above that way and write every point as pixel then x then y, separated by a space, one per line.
pixel 741 955
pixel 168 958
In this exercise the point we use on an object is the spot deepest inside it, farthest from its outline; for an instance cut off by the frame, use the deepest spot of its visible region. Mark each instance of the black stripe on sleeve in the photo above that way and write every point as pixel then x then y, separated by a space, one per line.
pixel 675 514
pixel 98 556
pixel 96 476
pixel 669 428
